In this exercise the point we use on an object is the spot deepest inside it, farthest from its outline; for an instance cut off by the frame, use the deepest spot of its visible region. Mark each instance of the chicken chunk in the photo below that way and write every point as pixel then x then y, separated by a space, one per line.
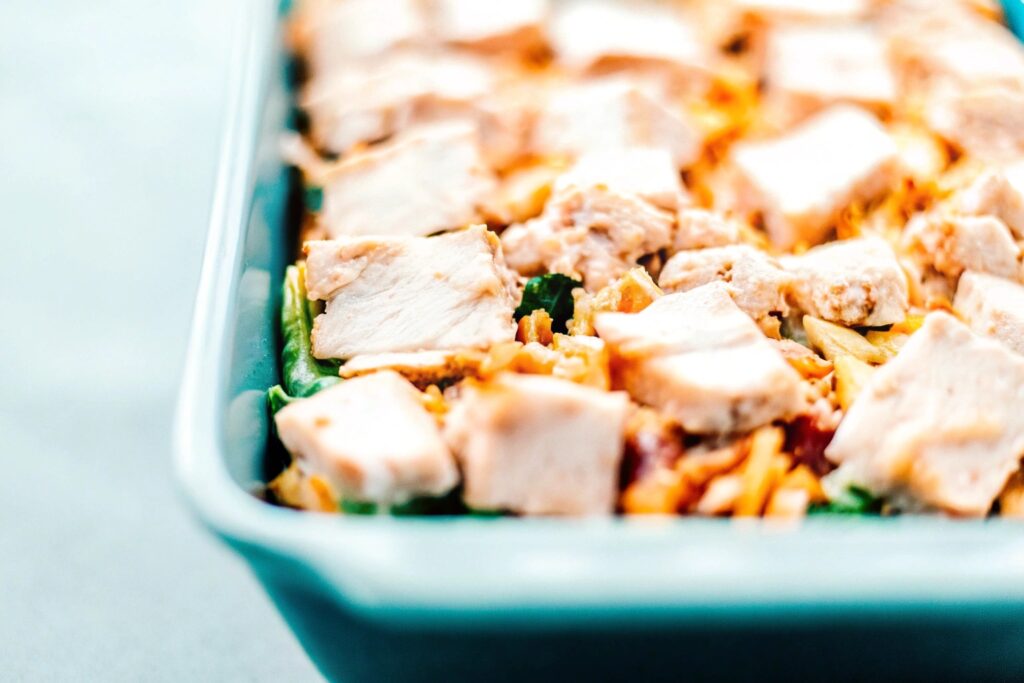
pixel 539 445
pixel 402 294
pixel 598 35
pixel 353 107
pixel 493 26
pixel 338 33
pixel 700 229
pixel 371 439
pixel 698 358
pixel 755 280
pixel 969 73
pixel 422 368
pixel 984 123
pixel 749 23
pixel 993 307
pixel 938 46
pixel 939 426
pixel 809 67
pixel 949 244
pixel 384 97
pixel 647 173
pixel 613 113
pixel 856 283
pixel 598 224
pixel 998 192
pixel 837 157
pixel 426 181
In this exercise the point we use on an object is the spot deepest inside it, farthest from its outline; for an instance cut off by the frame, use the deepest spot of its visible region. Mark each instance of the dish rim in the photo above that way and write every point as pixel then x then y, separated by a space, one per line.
pixel 534 571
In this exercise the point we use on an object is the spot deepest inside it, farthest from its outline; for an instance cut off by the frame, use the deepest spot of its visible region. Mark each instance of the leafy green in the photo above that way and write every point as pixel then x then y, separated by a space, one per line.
pixel 855 501
pixel 277 398
pixel 449 505
pixel 314 197
pixel 552 293
pixel 354 507
pixel 303 374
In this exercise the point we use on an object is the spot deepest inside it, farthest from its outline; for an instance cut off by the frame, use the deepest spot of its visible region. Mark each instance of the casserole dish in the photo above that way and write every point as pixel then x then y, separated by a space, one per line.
pixel 504 599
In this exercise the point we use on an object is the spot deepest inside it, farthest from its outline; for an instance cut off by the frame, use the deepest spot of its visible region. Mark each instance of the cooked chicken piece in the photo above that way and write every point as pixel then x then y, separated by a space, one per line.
pixel 646 173
pixel 698 358
pixel 428 180
pixel 756 281
pixel 597 35
pixel 992 306
pixel 942 45
pixel 385 97
pixel 700 228
pixel 802 180
pixel 745 25
pixel 598 224
pixel 422 368
pixel 949 244
pixel 938 426
pixel 538 445
pixel 371 439
pixel 985 123
pixel 400 294
pixel 809 67
pixel 613 113
pixel 337 33
pixel 856 283
pixel 997 192
pixel 494 25
pixel 968 72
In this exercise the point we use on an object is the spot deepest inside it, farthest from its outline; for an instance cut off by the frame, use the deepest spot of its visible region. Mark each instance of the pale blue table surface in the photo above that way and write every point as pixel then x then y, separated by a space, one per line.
pixel 110 115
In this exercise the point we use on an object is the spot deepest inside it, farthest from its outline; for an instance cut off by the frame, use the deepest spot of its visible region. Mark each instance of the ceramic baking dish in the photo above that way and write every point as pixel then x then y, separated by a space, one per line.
pixel 382 599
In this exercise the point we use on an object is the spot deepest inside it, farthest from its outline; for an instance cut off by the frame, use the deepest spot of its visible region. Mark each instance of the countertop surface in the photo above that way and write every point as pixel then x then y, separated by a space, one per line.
pixel 111 113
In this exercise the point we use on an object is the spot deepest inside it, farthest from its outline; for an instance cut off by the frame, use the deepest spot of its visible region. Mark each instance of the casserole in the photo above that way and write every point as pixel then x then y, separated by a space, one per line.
pixel 427 599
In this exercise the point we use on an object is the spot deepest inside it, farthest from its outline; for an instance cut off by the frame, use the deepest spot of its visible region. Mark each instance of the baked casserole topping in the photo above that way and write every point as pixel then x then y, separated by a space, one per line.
pixel 704 257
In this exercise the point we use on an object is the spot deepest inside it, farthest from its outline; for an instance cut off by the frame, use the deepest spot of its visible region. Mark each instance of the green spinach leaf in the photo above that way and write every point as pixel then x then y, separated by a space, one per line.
pixel 314 196
pixel 302 374
pixel 552 293
pixel 277 398
pixel 855 501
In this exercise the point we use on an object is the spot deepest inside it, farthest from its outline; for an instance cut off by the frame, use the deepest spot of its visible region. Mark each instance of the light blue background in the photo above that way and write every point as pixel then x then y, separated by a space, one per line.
pixel 110 116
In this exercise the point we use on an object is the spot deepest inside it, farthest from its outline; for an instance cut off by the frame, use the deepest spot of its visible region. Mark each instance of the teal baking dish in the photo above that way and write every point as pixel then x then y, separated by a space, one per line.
pixel 381 599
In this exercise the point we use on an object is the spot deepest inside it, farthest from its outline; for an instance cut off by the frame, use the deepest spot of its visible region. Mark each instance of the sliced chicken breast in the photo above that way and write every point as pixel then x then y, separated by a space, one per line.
pixel 699 359
pixel 939 426
pixel 837 157
pixel 429 180
pixel 856 283
pixel 371 439
pixel 993 307
pixel 404 294
pixel 539 445
pixel 756 281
